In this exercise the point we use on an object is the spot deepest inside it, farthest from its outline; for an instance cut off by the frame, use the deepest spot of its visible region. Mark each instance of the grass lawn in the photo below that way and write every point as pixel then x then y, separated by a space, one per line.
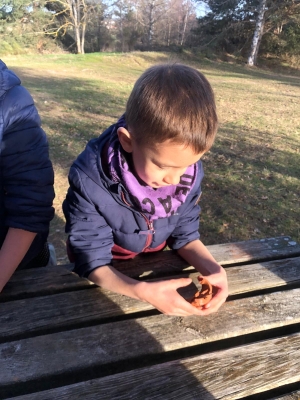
pixel 252 183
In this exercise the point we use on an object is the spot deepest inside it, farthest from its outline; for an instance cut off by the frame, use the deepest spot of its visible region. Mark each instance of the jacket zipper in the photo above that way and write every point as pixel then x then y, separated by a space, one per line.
pixel 149 235
pixel 148 222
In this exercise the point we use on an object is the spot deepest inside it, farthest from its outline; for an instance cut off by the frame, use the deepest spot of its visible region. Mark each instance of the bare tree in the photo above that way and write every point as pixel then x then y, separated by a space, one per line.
pixel 149 13
pixel 124 14
pixel 189 16
pixel 179 16
pixel 259 29
pixel 71 14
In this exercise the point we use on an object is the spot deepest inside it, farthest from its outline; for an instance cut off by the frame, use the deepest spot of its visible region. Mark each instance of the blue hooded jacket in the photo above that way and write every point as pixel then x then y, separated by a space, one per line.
pixel 26 173
pixel 99 217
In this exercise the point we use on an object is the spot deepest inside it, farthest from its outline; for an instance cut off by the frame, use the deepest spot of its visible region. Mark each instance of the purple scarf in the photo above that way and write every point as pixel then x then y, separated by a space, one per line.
pixel 156 203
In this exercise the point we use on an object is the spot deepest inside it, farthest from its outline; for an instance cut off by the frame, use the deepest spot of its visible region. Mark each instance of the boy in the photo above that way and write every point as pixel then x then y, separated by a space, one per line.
pixel 136 188
pixel 26 180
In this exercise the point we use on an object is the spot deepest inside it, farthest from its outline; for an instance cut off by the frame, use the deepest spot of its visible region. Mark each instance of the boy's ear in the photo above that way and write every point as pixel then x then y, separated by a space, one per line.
pixel 125 139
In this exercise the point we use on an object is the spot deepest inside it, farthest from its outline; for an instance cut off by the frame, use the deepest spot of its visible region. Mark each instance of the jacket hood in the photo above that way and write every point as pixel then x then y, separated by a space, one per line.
pixel 7 79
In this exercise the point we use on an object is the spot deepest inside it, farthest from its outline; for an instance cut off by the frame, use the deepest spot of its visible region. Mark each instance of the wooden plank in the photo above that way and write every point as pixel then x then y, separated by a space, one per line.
pixel 95 305
pixel 42 281
pixel 228 375
pixel 63 311
pixel 265 275
pixel 168 262
pixel 255 277
pixel 122 341
pixel 254 250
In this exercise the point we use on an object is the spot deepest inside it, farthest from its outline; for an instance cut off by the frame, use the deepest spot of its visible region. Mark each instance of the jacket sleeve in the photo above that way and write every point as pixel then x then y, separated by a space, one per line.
pixel 91 238
pixel 26 169
pixel 187 227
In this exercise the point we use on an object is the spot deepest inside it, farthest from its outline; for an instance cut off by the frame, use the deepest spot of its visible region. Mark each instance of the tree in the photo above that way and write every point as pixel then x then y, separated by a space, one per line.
pixel 179 18
pixel 187 12
pixel 128 30
pixel 99 36
pixel 259 28
pixel 246 26
pixel 149 13
pixel 22 25
pixel 70 15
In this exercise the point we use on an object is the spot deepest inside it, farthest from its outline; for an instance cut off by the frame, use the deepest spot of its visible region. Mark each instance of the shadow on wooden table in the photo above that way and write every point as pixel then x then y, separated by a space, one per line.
pixel 59 334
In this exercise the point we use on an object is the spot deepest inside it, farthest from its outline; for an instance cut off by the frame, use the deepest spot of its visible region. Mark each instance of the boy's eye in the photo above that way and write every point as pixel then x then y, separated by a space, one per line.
pixel 160 166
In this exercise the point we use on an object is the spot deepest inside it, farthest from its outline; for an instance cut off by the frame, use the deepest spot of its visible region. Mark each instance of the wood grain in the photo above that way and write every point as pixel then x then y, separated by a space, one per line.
pixel 255 277
pixel 95 305
pixel 42 281
pixel 228 375
pixel 166 262
pixel 264 275
pixel 45 281
pixel 156 264
pixel 115 342
pixel 23 318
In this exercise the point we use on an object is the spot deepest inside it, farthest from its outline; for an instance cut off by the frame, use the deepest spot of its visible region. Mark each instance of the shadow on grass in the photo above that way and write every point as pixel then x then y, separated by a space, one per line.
pixel 258 148
pixel 241 71
pixel 73 111
pixel 71 91
pixel 250 191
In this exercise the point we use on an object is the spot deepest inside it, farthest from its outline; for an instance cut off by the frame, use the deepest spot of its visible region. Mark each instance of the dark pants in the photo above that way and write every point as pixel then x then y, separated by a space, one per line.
pixel 41 260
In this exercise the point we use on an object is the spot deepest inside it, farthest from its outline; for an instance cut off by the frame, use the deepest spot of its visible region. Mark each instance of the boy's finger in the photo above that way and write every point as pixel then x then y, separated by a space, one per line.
pixel 191 310
pixel 183 282
pixel 187 307
pixel 215 302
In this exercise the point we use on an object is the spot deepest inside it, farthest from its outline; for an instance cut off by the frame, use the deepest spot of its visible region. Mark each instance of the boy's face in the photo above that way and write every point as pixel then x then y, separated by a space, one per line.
pixel 162 164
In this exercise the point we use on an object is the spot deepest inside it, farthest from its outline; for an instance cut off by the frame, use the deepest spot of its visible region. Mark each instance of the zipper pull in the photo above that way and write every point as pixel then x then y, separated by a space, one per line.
pixel 150 230
pixel 151 227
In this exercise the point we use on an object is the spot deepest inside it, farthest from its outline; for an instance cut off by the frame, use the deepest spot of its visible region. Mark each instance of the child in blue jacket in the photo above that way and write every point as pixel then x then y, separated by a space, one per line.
pixel 26 180
pixel 136 189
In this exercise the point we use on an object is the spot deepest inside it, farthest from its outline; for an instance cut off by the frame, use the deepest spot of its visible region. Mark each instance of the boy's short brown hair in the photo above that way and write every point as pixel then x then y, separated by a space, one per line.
pixel 172 102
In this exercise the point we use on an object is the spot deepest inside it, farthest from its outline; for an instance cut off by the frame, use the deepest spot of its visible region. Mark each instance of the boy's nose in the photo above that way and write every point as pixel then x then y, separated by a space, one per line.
pixel 172 179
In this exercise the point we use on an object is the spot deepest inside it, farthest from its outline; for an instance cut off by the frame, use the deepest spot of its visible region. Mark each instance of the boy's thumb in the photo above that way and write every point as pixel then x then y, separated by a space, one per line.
pixel 184 282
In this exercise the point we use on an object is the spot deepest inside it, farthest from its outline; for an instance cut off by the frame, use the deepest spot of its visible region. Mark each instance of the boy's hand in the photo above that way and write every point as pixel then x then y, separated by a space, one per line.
pixel 164 296
pixel 198 255
pixel 220 292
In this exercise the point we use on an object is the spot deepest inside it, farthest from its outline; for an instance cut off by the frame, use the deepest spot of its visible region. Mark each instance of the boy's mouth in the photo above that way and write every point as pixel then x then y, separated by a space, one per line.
pixel 156 186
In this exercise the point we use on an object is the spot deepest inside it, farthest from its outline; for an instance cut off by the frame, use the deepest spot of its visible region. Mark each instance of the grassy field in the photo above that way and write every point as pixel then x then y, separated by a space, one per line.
pixel 252 183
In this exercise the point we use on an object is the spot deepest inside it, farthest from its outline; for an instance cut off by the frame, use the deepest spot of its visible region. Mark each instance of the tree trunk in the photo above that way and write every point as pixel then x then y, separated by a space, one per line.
pixel 83 37
pixel 82 23
pixel 184 28
pixel 259 28
pixel 169 33
pixel 150 25
pixel 75 22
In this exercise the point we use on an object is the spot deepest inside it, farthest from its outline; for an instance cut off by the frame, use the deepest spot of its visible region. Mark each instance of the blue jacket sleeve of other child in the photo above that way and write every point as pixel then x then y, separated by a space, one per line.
pixel 26 173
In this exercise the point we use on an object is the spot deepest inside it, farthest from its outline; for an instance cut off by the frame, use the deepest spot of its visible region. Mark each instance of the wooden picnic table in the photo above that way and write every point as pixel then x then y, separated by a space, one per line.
pixel 61 337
